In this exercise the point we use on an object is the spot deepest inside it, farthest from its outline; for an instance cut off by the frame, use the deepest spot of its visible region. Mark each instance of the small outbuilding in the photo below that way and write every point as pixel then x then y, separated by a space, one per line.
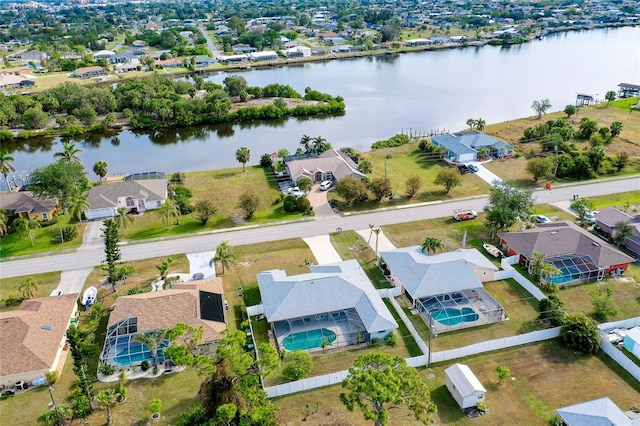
pixel 464 386
pixel 632 341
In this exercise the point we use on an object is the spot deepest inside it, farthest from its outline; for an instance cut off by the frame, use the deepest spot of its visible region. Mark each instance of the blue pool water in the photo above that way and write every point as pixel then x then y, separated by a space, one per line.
pixel 136 353
pixel 566 274
pixel 452 316
pixel 308 340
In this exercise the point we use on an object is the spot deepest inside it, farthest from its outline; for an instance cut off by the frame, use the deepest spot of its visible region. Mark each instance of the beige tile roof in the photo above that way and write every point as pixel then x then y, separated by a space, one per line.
pixel 26 346
pixel 332 160
pixel 164 309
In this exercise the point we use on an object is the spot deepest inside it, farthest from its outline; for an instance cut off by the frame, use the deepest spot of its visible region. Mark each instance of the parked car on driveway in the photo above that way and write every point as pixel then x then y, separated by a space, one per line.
pixel 473 168
pixel 326 185
pixel 538 218
pixel 297 193
pixel 463 169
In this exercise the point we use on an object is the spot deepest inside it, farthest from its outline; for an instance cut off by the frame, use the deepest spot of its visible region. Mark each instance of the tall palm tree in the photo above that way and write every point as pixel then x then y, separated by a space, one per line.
pixel 28 286
pixel 77 205
pixel 124 220
pixel 243 155
pixel 101 168
pixel 224 255
pixel 4 218
pixel 107 399
pixel 305 141
pixel 480 124
pixel 27 226
pixel 431 245
pixel 320 145
pixel 69 153
pixel 471 122
pixel 6 167
pixel 152 340
pixel 168 211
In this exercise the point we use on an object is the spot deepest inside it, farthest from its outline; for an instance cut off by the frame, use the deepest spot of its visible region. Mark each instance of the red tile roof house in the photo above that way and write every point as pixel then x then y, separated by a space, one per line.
pixel 579 255
pixel 32 338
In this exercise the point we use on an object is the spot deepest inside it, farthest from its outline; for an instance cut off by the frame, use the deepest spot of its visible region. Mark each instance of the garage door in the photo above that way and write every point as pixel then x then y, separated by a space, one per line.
pixel 99 214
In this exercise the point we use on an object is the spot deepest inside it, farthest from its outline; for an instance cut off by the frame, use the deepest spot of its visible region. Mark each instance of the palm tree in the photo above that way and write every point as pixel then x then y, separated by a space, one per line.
pixel 107 399
pixel 471 122
pixel 320 145
pixel 480 124
pixel 305 141
pixel 77 205
pixel 365 166
pixel 124 220
pixel 6 167
pixel 28 286
pixel 101 168
pixel 125 272
pixel 4 218
pixel 27 226
pixel 243 155
pixel 57 416
pixel 610 96
pixel 431 245
pixel 615 128
pixel 224 255
pixel 152 340
pixel 69 153
pixel 168 211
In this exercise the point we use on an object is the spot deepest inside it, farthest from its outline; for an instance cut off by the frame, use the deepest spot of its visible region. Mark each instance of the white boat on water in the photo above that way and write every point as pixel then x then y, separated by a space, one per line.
pixel 89 296
pixel 492 250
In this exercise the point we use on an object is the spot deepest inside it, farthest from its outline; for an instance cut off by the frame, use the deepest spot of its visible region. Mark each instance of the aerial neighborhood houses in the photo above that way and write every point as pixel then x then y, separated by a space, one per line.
pixel 27 205
pixel 131 195
pixel 466 146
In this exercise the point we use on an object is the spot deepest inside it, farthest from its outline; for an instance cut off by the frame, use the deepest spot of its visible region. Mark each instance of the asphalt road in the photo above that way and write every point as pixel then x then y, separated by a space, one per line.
pixel 92 256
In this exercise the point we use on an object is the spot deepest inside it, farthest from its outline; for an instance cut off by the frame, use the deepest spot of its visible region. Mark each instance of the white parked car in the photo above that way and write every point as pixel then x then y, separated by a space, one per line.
pixel 538 218
pixel 293 189
pixel 56 292
pixel 326 185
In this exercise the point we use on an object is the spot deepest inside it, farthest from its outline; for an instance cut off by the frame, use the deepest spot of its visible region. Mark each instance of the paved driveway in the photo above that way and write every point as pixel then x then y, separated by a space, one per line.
pixel 322 249
pixel 484 174
pixel 383 242
pixel 321 207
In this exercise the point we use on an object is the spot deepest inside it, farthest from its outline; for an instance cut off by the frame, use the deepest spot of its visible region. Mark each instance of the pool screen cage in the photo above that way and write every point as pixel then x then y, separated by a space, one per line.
pixel 346 324
pixel 462 309
pixel 120 348
pixel 573 269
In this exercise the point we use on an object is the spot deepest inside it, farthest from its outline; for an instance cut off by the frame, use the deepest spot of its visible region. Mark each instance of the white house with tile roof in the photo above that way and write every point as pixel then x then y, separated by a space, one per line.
pixel 105 200
pixel 333 305
pixel 330 165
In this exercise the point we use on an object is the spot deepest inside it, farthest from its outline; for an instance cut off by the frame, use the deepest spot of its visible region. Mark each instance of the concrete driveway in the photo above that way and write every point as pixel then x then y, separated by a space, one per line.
pixel 383 242
pixel 200 263
pixel 322 249
pixel 321 207
pixel 484 174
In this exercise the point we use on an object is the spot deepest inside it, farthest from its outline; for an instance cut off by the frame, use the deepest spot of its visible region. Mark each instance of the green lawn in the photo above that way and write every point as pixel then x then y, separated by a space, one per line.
pixel 546 377
pixel 47 282
pixel 350 245
pixel 45 239
pixel 223 187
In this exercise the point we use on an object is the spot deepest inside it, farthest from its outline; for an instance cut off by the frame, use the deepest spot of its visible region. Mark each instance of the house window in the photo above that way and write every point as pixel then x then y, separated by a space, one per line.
pixel 45 216
pixel 141 203
pixel 130 202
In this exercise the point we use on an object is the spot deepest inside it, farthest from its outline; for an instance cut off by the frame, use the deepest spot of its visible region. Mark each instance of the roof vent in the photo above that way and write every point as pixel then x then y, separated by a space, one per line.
pixel 593 243
pixel 46 327
pixel 554 232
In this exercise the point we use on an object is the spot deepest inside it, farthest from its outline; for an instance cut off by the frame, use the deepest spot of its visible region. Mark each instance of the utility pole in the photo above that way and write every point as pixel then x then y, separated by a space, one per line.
pixel 55 407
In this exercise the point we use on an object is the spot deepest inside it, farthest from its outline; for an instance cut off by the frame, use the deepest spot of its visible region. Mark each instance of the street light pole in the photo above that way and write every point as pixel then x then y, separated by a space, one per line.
pixel 55 406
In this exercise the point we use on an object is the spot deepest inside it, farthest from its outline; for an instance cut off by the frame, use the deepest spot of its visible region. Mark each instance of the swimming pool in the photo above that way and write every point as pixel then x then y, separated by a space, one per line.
pixel 308 339
pixel 565 275
pixel 136 353
pixel 453 316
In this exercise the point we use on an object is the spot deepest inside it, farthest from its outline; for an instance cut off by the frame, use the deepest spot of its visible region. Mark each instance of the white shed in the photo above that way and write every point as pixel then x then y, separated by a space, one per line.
pixel 464 386
pixel 632 341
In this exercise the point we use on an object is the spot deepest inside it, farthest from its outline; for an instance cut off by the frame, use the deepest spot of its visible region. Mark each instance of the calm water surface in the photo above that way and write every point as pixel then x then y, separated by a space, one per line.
pixel 384 95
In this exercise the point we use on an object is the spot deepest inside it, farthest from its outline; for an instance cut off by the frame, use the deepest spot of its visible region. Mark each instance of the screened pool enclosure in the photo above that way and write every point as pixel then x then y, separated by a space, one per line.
pixel 120 348
pixel 573 269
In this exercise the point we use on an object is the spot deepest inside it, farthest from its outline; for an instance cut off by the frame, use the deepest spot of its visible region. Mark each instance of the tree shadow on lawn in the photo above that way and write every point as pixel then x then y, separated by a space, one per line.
pixel 448 410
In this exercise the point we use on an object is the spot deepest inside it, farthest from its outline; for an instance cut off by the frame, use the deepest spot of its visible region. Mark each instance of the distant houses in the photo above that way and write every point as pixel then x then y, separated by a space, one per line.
pixel 88 72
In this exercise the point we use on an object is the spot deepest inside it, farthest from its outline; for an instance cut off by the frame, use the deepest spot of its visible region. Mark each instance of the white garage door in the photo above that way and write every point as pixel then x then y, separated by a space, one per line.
pixel 100 214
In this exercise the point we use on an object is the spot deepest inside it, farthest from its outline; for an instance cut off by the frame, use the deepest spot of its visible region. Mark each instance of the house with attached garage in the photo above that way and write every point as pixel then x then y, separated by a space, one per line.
pixel 132 195
pixel 605 224
pixel 334 305
pixel 464 146
pixel 33 337
pixel 446 289
pixel 330 165
pixel 578 255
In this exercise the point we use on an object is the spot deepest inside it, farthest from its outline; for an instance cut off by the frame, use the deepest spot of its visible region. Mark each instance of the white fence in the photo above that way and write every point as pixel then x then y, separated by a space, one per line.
pixel 418 361
pixel 409 325
pixel 255 310
pixel 617 355
pixel 388 293
pixel 506 263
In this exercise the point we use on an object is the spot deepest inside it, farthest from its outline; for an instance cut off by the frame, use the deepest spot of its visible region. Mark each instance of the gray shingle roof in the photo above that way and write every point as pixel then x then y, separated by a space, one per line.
pixel 330 161
pixel 558 238
pixel 106 196
pixel 425 275
pixel 599 412
pixel 610 216
pixel 327 288
pixel 26 202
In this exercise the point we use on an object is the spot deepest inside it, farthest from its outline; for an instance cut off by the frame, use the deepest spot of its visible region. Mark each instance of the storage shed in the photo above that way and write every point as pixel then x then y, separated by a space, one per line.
pixel 464 386
pixel 632 341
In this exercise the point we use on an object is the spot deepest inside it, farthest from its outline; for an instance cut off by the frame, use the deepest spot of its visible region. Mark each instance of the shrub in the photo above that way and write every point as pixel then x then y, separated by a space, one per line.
pixel 49 222
pixel 375 341
pixel 52 377
pixel 265 160
pixel 289 203
pixel 135 290
pixel 155 405
pixel 145 365
pixel 297 365
pixel 393 141
pixel 184 205
pixel 13 301
pixel 69 232
pixel 391 339
pixel 106 369
pixel 303 204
